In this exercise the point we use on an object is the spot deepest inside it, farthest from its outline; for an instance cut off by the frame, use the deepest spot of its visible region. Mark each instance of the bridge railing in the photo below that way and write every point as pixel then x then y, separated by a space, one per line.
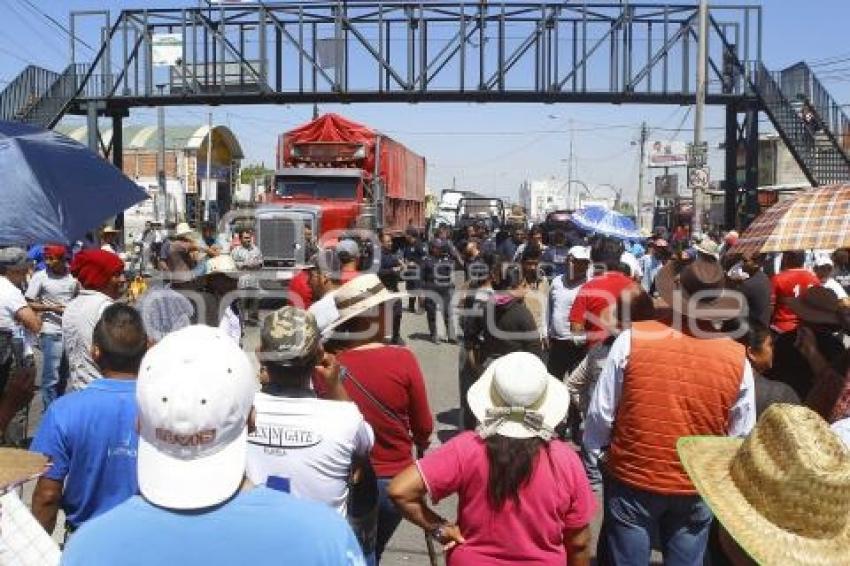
pixel 399 50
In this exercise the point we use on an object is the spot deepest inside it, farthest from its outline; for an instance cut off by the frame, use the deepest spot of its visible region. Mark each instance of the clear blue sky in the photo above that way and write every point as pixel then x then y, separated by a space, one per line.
pixel 490 148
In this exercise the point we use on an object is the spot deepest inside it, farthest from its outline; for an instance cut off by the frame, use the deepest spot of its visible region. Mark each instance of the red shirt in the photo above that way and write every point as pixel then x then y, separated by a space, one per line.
pixel 392 375
pixel 594 297
pixel 785 285
pixel 299 286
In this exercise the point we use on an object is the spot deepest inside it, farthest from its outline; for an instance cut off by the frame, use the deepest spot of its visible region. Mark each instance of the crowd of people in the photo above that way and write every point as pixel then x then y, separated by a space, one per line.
pixel 695 398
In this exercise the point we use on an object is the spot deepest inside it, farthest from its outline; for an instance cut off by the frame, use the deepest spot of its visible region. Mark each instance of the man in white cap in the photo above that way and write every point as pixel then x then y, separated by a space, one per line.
pixel 565 348
pixel 195 394
pixel 823 269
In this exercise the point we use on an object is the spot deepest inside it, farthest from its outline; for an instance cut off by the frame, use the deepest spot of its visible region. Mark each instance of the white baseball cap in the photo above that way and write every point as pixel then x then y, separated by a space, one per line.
pixel 579 252
pixel 823 260
pixel 195 390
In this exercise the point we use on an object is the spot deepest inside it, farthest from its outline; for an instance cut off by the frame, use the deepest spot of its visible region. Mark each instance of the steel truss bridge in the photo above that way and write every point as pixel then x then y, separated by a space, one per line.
pixel 443 51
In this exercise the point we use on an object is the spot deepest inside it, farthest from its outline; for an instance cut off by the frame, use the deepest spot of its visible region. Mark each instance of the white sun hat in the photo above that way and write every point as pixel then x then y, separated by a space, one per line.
pixel 358 296
pixel 518 398
pixel 195 390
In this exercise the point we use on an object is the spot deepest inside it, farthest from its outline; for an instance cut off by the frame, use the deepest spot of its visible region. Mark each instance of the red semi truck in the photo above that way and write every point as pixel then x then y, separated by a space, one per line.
pixel 334 175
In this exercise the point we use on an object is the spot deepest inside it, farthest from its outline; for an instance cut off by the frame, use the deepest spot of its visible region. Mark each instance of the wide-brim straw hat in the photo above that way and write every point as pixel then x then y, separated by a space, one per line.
pixel 183 229
pixel 783 493
pixel 519 379
pixel 18 466
pixel 698 291
pixel 358 296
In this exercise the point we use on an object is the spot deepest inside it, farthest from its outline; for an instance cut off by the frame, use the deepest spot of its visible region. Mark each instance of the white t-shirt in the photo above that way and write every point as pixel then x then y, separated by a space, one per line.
pixel 52 289
pixel 78 322
pixel 561 300
pixel 835 287
pixel 230 324
pixel 311 442
pixel 11 301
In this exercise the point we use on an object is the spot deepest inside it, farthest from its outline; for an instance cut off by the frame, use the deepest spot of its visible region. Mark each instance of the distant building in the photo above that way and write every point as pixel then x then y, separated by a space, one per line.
pixel 542 197
pixel 185 168
pixel 776 165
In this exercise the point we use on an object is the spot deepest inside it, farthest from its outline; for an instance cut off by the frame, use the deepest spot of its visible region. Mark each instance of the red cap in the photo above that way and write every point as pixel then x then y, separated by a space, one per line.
pixel 94 268
pixel 55 250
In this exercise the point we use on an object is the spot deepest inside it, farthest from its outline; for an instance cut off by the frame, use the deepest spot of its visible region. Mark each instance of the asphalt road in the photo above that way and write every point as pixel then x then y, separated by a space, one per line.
pixel 439 365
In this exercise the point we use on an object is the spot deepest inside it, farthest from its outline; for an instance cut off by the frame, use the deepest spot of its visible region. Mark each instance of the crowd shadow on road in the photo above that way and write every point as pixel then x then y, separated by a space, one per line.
pixel 450 417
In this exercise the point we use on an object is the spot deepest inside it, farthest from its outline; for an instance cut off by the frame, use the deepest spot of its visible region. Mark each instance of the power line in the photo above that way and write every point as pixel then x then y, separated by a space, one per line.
pixel 56 23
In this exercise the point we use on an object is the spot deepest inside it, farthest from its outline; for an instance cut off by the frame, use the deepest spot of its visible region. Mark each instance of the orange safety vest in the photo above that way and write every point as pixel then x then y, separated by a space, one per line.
pixel 674 385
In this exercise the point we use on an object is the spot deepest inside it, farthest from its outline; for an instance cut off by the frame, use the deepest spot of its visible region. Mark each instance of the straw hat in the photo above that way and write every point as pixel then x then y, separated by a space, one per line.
pixel 783 493
pixel 18 466
pixel 697 291
pixel 359 295
pixel 182 229
pixel 518 398
pixel 708 247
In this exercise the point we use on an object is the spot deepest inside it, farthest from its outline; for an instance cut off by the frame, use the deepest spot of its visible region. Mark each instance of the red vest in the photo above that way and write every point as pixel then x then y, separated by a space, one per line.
pixel 674 385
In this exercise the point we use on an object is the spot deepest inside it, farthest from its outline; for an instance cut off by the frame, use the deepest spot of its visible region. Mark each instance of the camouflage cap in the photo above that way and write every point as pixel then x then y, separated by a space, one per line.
pixel 290 337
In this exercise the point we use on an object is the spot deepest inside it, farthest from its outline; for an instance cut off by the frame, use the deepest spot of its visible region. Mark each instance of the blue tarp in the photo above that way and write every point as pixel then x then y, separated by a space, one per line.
pixel 599 220
pixel 54 190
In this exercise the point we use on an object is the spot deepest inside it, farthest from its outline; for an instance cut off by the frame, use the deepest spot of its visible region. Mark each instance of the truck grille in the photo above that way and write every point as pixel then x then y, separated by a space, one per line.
pixel 277 239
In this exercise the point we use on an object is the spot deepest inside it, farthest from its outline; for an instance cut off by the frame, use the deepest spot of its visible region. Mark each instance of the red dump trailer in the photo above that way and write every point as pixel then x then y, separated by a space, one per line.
pixel 334 174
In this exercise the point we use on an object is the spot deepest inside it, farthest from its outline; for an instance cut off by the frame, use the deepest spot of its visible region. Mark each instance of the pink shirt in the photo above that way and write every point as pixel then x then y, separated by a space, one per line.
pixel 556 498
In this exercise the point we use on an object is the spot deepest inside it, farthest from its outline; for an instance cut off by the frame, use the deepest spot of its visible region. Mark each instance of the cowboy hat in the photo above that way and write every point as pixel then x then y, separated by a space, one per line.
pixel 708 247
pixel 18 466
pixel 819 305
pixel 518 398
pixel 358 296
pixel 705 279
pixel 182 229
pixel 783 493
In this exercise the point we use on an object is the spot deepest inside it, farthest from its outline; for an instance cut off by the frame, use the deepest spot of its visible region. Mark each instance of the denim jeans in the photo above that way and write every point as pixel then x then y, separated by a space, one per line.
pixel 52 350
pixel 632 516
pixel 389 518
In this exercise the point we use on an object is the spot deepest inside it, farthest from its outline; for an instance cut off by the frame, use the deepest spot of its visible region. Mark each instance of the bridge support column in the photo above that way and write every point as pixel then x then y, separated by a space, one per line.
pixel 751 204
pixel 118 160
pixel 730 184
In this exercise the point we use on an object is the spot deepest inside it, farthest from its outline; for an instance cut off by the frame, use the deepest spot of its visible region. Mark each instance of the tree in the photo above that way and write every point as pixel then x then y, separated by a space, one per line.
pixel 253 171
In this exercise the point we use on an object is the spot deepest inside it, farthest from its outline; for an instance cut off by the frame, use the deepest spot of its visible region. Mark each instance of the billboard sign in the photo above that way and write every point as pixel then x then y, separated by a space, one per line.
pixel 668 154
pixel 666 186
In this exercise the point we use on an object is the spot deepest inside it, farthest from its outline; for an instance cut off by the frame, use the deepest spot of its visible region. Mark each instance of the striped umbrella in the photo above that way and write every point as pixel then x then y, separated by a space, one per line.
pixel 812 220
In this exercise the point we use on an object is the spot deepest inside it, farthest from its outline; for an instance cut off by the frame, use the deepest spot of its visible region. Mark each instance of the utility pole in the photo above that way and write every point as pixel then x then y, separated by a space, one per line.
pixel 206 203
pixel 160 159
pixel 644 135
pixel 698 191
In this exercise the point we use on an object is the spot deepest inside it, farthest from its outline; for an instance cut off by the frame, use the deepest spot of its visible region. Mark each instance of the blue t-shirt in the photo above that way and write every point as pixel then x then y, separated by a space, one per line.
pixel 258 527
pixel 90 437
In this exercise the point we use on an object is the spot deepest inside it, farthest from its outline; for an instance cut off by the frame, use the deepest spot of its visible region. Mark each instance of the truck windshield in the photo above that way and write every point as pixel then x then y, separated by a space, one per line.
pixel 317 187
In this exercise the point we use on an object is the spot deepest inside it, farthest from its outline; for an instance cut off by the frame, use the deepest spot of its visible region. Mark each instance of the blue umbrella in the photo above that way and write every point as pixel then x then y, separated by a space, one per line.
pixel 606 222
pixel 55 190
